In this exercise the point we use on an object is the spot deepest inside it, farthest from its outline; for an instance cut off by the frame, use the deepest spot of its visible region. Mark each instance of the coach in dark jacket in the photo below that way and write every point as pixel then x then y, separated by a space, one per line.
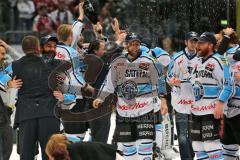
pixel 35 105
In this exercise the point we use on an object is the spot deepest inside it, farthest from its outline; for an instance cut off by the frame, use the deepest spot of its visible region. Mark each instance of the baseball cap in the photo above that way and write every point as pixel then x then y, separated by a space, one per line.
pixel 48 38
pixel 132 37
pixel 191 35
pixel 208 37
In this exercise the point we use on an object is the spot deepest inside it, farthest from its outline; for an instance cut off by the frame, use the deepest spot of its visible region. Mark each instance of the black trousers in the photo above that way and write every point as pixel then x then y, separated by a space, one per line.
pixel 6 142
pixel 33 131
pixel 100 128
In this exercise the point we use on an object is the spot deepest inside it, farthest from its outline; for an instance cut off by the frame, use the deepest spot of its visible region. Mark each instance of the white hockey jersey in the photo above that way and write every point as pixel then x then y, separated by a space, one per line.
pixel 136 84
pixel 162 57
pixel 180 67
pixel 234 103
pixel 211 81
pixel 69 53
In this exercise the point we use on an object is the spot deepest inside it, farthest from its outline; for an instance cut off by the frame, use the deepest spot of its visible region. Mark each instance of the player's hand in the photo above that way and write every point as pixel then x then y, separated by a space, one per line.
pixel 97 28
pixel 115 25
pixel 164 108
pixel 97 102
pixel 4 44
pixel 218 111
pixel 121 36
pixel 81 11
pixel 174 82
pixel 58 95
pixel 15 83
pixel 88 91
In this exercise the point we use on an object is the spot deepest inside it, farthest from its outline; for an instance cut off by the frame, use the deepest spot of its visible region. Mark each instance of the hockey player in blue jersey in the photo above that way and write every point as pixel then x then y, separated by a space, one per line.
pixel 164 127
pixel 68 36
pixel 212 88
pixel 178 74
pixel 230 138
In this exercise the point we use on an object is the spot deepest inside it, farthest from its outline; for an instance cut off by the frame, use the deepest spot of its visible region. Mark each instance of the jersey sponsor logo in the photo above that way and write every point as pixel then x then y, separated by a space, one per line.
pixel 146 133
pixel 145 126
pixel 180 62
pixel 210 67
pixel 60 55
pixel 207 127
pixel 144 65
pixel 125 133
pixel 129 90
pixel 203 74
pixel 215 156
pixel 207 135
pixel 136 73
pixel 203 108
pixel 183 101
pixel 134 106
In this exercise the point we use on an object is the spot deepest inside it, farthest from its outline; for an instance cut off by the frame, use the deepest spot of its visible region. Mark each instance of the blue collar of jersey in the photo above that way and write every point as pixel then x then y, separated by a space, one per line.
pixel 189 55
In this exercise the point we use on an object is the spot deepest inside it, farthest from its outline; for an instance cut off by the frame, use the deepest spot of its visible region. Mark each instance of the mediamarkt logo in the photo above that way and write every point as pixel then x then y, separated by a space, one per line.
pixel 134 106
pixel 183 101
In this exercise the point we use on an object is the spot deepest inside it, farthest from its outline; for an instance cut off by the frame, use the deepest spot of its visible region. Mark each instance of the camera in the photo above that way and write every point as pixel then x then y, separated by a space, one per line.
pixel 90 11
pixel 88 6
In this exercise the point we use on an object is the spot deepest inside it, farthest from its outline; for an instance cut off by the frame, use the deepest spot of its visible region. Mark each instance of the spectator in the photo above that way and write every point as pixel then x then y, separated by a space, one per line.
pixel 105 19
pixel 51 4
pixel 62 15
pixel 43 22
pixel 167 45
pixel 26 11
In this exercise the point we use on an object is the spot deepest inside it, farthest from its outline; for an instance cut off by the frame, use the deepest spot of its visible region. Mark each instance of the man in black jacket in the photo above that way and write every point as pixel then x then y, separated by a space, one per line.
pixel 35 105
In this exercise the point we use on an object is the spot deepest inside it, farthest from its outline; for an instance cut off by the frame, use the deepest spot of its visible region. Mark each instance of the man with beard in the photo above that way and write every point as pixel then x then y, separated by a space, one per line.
pixel 134 77
pixel 178 75
pixel 35 103
pixel 212 87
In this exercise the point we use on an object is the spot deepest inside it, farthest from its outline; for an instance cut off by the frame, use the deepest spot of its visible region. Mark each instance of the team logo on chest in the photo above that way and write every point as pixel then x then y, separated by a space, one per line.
pixel 129 90
pixel 198 91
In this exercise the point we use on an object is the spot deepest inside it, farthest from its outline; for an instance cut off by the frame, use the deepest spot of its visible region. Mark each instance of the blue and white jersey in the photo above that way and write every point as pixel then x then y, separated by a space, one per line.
pixel 234 103
pixel 76 76
pixel 162 60
pixel 230 52
pixel 77 28
pixel 157 53
pixel 5 76
pixel 180 67
pixel 136 84
pixel 211 82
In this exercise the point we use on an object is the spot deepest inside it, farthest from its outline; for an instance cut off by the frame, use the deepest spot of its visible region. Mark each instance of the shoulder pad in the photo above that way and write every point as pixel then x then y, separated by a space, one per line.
pixel 159 51
pixel 176 55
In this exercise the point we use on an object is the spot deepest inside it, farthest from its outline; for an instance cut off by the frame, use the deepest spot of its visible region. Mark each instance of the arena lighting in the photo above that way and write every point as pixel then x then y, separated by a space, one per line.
pixel 224 22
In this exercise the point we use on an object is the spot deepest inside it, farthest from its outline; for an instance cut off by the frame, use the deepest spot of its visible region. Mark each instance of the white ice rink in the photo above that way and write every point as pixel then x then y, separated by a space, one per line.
pixel 15 156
